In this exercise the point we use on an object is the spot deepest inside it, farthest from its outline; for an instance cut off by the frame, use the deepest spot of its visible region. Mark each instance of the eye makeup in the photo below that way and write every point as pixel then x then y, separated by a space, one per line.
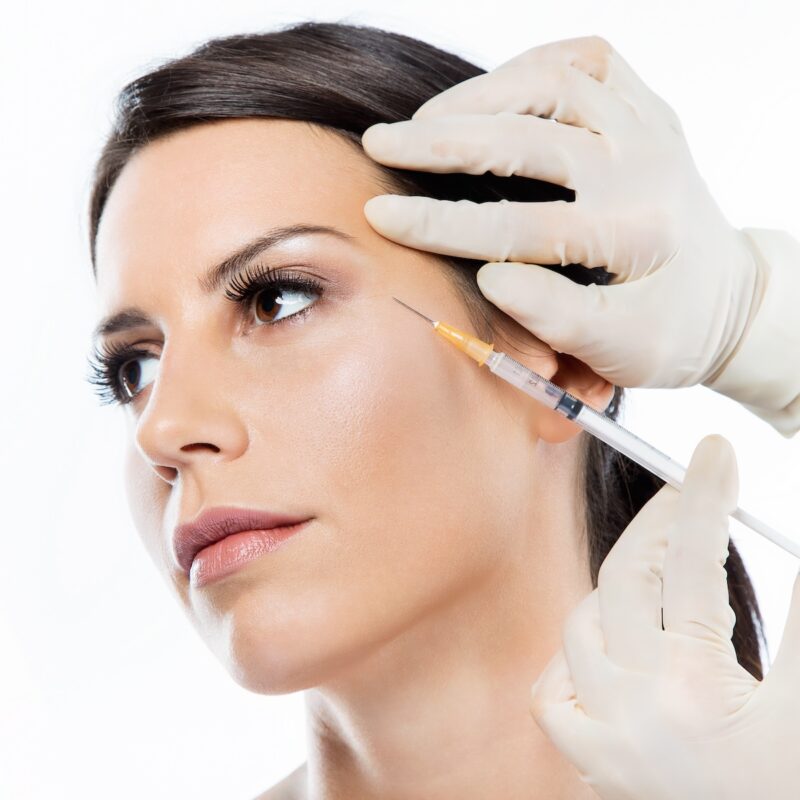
pixel 108 363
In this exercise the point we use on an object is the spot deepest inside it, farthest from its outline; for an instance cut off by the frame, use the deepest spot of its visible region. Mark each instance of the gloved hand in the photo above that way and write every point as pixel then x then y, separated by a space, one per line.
pixel 669 714
pixel 692 299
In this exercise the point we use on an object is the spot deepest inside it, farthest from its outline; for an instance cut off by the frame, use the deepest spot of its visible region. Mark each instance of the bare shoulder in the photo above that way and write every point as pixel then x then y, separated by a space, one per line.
pixel 292 787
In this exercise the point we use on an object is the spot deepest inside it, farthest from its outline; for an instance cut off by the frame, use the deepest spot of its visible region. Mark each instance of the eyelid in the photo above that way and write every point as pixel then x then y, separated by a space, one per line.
pixel 104 362
pixel 261 269
pixel 246 286
pixel 242 289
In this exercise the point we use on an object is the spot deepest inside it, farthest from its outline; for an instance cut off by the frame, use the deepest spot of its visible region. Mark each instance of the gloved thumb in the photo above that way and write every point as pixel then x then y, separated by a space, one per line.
pixel 564 314
pixel 695 594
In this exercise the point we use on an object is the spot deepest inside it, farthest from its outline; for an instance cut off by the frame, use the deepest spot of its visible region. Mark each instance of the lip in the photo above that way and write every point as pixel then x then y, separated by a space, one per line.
pixel 215 524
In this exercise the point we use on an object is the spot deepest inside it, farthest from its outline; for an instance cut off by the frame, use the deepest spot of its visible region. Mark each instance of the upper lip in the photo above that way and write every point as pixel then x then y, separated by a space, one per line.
pixel 216 523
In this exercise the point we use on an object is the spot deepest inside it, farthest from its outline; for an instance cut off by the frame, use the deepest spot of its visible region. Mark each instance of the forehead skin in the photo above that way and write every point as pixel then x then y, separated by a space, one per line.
pixel 189 198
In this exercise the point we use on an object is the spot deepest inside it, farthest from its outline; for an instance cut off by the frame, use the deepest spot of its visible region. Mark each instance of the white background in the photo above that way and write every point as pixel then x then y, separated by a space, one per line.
pixel 105 689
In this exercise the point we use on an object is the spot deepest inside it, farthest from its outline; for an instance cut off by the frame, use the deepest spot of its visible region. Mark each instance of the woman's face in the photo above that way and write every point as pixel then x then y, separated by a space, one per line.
pixel 417 468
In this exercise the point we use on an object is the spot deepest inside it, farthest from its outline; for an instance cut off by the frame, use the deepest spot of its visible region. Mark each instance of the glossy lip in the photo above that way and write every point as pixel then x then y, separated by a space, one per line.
pixel 214 524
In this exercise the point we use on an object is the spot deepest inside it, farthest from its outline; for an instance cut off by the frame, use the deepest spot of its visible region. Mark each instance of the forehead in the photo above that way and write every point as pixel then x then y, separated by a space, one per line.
pixel 192 197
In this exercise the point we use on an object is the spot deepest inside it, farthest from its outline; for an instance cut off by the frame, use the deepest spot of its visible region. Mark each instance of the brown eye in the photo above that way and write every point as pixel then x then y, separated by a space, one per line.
pixel 267 296
pixel 273 305
pixel 130 376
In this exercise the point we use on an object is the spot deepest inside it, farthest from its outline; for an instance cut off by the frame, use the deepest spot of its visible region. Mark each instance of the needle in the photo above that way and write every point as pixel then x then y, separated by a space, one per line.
pixel 415 311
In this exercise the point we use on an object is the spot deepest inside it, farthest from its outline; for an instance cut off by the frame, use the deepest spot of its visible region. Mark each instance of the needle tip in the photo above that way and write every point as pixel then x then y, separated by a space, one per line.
pixel 414 310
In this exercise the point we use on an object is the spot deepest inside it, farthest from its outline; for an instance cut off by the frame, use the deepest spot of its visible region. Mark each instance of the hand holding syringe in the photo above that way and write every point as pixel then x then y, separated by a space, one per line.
pixel 599 425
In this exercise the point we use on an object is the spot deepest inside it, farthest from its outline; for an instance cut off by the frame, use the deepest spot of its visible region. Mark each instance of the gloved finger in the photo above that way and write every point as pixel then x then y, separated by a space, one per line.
pixel 629 585
pixel 595 56
pixel 554 684
pixel 592 55
pixel 556 232
pixel 504 144
pixel 695 582
pixel 589 54
pixel 591 746
pixel 548 90
pixel 561 717
pixel 593 675
pixel 567 316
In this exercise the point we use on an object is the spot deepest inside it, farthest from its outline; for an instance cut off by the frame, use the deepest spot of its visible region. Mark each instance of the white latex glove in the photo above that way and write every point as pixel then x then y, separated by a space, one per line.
pixel 693 299
pixel 670 714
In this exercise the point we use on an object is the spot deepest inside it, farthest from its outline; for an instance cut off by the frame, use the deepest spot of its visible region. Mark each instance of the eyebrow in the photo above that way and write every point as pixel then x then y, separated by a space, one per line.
pixel 215 277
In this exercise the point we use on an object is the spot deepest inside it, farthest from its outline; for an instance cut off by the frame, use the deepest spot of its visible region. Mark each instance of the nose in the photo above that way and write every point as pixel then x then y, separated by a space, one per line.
pixel 190 415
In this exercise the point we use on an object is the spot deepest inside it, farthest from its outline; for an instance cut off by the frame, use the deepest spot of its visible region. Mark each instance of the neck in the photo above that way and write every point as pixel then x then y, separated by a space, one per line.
pixel 442 710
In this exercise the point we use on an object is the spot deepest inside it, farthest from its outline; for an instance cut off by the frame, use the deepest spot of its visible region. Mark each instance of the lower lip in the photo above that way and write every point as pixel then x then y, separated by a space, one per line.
pixel 233 552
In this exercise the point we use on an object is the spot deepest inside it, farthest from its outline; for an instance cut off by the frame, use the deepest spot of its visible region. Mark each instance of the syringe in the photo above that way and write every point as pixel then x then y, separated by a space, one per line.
pixel 599 425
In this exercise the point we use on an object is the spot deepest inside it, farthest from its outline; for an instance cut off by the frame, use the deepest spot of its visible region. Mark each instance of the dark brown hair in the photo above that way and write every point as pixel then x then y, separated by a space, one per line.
pixel 346 78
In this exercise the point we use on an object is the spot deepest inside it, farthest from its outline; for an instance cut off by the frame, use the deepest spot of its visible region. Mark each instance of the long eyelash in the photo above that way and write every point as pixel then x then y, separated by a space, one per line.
pixel 104 365
pixel 105 362
pixel 246 285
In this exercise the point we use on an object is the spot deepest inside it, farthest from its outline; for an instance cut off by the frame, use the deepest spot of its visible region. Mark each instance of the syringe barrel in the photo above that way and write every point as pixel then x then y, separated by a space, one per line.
pixel 600 425
pixel 613 434
pixel 523 378
pixel 644 454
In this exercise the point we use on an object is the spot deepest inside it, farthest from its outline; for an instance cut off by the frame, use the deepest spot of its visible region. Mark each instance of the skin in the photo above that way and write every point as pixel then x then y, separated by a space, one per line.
pixel 429 591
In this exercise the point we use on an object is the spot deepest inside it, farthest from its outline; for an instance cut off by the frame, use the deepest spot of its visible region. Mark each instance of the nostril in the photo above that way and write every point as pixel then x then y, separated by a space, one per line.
pixel 188 448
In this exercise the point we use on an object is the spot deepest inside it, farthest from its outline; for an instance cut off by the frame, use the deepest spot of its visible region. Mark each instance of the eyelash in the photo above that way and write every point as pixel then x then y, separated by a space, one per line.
pixel 106 362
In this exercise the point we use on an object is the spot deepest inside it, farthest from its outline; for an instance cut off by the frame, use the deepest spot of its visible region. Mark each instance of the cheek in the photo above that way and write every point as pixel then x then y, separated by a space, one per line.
pixel 386 453
pixel 378 431
pixel 410 495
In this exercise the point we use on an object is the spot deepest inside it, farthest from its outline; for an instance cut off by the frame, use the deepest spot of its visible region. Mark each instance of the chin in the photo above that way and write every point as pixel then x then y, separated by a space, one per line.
pixel 282 634
pixel 270 649
pixel 276 665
